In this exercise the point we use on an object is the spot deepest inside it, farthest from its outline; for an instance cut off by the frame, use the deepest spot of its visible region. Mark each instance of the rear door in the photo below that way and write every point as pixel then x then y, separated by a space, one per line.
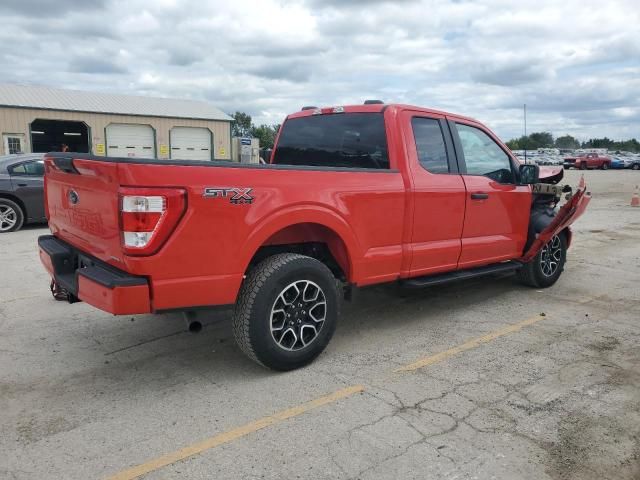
pixel 497 208
pixel 27 181
pixel 438 194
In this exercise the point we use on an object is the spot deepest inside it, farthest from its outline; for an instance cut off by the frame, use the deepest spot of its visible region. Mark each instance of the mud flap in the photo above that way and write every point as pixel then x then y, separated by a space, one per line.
pixel 567 214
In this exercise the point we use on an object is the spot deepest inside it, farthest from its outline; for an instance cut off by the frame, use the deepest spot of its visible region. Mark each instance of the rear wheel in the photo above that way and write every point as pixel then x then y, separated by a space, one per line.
pixel 547 266
pixel 583 166
pixel 286 312
pixel 636 166
pixel 11 216
pixel 605 166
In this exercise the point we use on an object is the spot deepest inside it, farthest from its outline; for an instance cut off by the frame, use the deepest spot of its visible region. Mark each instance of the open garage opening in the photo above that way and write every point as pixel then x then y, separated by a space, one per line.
pixel 54 135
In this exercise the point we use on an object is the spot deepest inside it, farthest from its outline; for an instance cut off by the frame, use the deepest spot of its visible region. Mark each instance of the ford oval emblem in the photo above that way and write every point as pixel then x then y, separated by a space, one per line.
pixel 73 197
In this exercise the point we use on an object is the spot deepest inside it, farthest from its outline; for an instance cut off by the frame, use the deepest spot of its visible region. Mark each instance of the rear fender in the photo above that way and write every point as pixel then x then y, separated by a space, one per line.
pixel 568 213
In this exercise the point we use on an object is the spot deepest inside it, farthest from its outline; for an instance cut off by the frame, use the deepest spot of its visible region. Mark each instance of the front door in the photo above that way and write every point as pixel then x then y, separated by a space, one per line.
pixel 437 194
pixel 13 143
pixel 497 208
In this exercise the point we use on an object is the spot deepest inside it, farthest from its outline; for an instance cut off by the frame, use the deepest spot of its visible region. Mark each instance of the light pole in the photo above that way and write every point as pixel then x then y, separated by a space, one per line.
pixel 525 132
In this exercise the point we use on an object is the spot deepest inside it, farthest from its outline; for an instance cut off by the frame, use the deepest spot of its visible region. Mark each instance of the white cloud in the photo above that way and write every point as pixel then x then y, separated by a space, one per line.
pixel 576 64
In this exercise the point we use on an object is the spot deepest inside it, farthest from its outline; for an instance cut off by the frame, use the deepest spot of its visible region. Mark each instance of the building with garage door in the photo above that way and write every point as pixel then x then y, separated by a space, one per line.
pixel 43 119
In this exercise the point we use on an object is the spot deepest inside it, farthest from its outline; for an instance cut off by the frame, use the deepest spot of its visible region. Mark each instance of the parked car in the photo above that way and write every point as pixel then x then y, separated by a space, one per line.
pixel 617 163
pixel 633 163
pixel 353 196
pixel 588 161
pixel 21 191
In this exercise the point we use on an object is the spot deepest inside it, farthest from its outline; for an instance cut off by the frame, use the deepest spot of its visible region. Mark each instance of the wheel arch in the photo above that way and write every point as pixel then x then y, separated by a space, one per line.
pixel 17 201
pixel 319 233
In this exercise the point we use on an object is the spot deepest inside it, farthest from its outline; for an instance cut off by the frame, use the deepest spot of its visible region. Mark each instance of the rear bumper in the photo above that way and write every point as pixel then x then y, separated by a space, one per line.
pixel 101 285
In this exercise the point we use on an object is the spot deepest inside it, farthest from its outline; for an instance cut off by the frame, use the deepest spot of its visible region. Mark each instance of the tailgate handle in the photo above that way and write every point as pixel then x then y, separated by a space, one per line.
pixel 479 196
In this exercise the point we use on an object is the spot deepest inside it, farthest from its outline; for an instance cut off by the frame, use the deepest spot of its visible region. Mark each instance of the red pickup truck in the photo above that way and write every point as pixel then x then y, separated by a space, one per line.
pixel 352 196
pixel 588 160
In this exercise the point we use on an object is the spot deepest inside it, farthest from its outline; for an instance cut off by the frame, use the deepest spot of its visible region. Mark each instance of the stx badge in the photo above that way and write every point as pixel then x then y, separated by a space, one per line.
pixel 236 195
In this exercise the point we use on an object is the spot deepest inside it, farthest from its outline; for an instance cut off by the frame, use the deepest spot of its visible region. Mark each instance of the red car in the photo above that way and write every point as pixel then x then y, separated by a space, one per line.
pixel 588 161
pixel 353 196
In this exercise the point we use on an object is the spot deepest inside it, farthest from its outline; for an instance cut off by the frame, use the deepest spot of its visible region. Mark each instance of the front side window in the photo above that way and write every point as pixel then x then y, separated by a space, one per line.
pixel 432 152
pixel 352 140
pixel 33 169
pixel 483 156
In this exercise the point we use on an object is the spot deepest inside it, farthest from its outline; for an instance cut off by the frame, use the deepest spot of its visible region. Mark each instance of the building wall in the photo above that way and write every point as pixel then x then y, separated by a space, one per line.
pixel 17 120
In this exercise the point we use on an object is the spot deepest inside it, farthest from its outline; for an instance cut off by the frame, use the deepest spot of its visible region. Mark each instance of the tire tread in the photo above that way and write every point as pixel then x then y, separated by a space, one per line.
pixel 255 281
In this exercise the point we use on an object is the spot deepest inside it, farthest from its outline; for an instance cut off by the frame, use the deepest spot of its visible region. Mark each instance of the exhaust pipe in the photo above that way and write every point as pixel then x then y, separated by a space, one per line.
pixel 193 325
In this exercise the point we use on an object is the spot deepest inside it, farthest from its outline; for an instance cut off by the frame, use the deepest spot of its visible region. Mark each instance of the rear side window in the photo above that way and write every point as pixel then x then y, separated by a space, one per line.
pixel 352 140
pixel 34 169
pixel 432 152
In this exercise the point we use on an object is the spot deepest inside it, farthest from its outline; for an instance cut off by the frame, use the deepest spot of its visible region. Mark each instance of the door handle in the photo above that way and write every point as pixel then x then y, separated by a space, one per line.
pixel 22 184
pixel 479 196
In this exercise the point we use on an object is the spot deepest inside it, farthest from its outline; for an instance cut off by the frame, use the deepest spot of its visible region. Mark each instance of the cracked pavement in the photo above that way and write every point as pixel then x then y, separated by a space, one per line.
pixel 85 395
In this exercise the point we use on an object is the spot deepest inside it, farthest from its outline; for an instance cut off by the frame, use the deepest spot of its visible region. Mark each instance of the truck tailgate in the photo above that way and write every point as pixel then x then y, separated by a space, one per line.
pixel 82 201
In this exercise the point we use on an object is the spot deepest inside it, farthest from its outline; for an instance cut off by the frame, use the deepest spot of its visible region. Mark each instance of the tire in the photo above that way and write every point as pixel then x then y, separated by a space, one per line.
pixel 537 272
pixel 635 166
pixel 11 216
pixel 583 166
pixel 273 324
pixel 605 166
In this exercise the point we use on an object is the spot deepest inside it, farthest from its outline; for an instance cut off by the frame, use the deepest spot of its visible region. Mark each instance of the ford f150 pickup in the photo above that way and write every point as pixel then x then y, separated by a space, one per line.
pixel 352 196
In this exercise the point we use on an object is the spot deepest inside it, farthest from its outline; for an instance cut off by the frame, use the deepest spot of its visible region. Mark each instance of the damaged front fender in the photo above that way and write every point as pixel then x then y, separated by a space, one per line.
pixel 568 213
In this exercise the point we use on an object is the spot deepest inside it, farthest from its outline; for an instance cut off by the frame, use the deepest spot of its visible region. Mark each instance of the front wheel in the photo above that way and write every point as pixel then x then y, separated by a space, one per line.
pixel 547 266
pixel 605 166
pixel 286 312
pixel 635 166
pixel 583 166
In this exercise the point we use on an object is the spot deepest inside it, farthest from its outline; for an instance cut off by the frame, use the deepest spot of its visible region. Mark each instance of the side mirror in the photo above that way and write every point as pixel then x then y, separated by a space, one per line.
pixel 529 174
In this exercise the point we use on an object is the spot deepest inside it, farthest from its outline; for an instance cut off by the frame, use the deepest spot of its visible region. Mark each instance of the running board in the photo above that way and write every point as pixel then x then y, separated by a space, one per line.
pixel 456 275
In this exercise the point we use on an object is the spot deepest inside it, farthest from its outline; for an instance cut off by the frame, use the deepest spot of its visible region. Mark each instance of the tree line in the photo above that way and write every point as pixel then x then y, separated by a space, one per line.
pixel 242 126
pixel 545 140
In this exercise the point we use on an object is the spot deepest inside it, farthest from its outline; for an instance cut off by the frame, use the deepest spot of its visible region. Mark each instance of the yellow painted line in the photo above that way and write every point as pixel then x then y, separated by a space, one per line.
pixel 229 436
pixel 476 342
pixel 239 432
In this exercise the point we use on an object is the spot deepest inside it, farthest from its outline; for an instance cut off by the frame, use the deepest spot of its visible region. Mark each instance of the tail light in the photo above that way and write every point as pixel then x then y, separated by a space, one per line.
pixel 148 216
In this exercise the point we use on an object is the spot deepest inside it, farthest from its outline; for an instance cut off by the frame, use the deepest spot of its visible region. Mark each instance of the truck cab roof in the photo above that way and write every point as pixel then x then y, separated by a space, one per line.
pixel 373 108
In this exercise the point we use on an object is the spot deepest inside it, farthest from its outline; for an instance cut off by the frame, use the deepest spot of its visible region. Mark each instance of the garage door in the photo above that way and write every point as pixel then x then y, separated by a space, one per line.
pixel 130 140
pixel 190 143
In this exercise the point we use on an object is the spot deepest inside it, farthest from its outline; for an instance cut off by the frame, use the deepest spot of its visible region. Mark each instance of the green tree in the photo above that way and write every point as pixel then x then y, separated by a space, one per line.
pixel 567 141
pixel 541 140
pixel 599 143
pixel 266 134
pixel 513 144
pixel 241 125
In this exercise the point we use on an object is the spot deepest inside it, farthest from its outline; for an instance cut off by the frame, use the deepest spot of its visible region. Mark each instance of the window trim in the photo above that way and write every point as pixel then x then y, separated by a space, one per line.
pixel 448 145
pixel 460 152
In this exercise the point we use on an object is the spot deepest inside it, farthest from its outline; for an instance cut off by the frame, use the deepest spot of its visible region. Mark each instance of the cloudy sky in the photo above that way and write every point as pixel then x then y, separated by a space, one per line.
pixel 575 63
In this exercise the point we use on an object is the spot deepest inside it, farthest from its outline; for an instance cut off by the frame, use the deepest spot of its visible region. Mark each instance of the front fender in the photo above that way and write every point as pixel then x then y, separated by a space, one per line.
pixel 568 213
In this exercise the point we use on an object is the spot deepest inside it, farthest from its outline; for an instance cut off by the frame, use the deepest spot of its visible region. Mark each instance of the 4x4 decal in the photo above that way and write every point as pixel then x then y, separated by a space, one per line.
pixel 236 195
